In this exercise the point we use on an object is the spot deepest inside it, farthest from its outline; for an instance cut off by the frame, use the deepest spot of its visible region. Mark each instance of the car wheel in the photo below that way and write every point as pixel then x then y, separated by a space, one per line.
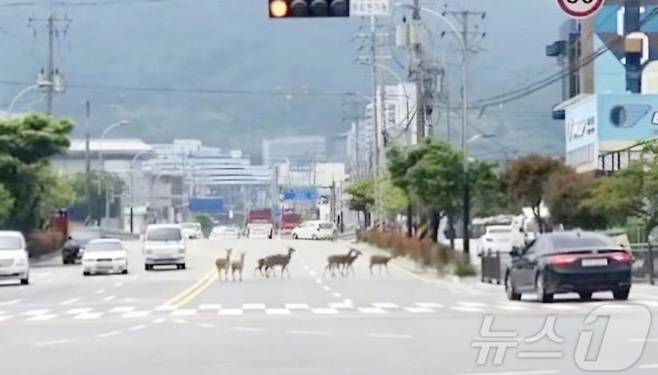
pixel 512 294
pixel 25 281
pixel 621 294
pixel 314 237
pixel 147 267
pixel 124 272
pixel 294 236
pixel 86 273
pixel 542 296
pixel 585 296
pixel 182 266
pixel 65 261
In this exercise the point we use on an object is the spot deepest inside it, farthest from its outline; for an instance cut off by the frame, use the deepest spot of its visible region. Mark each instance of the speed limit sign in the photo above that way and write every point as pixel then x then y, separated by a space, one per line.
pixel 580 8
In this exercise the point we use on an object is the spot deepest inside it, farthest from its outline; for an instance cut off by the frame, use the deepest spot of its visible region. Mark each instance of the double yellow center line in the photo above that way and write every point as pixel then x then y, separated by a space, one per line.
pixel 193 291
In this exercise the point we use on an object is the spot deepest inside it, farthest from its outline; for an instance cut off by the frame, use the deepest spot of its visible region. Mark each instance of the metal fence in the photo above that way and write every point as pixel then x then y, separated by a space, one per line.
pixel 644 269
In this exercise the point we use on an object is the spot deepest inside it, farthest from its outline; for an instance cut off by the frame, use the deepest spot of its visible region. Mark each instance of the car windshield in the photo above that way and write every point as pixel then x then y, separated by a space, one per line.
pixel 163 234
pixel 10 243
pixel 499 232
pixel 326 226
pixel 575 242
pixel 103 246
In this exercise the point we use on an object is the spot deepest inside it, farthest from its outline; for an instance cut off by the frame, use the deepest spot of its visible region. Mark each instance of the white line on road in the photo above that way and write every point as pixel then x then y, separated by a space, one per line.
pixel 471 304
pixel 159 321
pixel 36 312
pixel 53 342
pixel 109 298
pixel 326 288
pixel 277 311
pixel 107 334
pixel 253 306
pixel 70 301
pixel 337 295
pixel 122 309
pixel 231 312
pixel 5 317
pixel 137 327
pixel 319 281
pixel 136 314
pixel 183 312
pixel 324 311
pixel 79 310
pixel 649 366
pixel 466 309
pixel 419 310
pixel 538 372
pixel 88 316
pixel 100 291
pixel 429 305
pixel 512 307
pixel 180 321
pixel 312 273
pixel 248 329
pixel 205 325
pixel 385 305
pixel 371 310
pixel 206 307
pixel 310 333
pixel 389 336
pixel 297 306
pixel 42 318
pixel 10 302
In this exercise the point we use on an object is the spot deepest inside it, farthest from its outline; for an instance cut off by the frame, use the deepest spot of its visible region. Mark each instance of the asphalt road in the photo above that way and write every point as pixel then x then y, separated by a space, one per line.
pixel 173 322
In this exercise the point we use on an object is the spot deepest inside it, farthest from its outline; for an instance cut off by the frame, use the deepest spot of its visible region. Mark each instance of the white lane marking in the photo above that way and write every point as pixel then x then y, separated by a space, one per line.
pixel 70 301
pixel 41 318
pixel 109 298
pixel 165 308
pixel 471 304
pixel 205 325
pixel 297 306
pixel 180 321
pixel 100 291
pixel 312 273
pixel 253 306
pixel 530 372
pixel 107 334
pixel 53 342
pixel 649 366
pixel 116 285
pixel 122 309
pixel 159 321
pixel 326 288
pixel 649 340
pixel 88 316
pixel 348 301
pixel 306 267
pixel 385 305
pixel 371 310
pixel 10 302
pixel 512 307
pixel 419 310
pixel 560 307
pixel 340 305
pixel 80 310
pixel 232 312
pixel 466 309
pixel 5 317
pixel 324 311
pixel 183 312
pixel 310 333
pixel 206 307
pixel 136 314
pixel 277 311
pixel 36 312
pixel 137 327
pixel 247 329
pixel 389 336
pixel 319 281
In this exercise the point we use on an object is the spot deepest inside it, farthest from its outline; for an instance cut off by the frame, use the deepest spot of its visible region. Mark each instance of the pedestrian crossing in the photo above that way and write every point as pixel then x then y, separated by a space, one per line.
pixel 347 307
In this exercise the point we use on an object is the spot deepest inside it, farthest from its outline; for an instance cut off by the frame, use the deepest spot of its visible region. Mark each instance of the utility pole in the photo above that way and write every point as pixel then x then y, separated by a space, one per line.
pixel 54 26
pixel 417 71
pixel 88 159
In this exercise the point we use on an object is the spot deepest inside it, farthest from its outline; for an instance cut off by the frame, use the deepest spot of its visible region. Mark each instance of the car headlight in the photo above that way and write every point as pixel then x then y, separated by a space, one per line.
pixel 121 259
pixel 20 262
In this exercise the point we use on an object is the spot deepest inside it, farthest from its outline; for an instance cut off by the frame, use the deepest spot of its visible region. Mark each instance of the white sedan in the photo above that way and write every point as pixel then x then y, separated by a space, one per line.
pixel 104 256
pixel 13 257
pixel 221 231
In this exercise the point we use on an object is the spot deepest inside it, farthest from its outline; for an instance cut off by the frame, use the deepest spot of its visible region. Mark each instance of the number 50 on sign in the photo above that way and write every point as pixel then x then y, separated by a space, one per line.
pixel 580 8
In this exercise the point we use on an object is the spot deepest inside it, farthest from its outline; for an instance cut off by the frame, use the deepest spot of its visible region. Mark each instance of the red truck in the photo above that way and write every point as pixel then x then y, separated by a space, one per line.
pixel 289 221
pixel 260 224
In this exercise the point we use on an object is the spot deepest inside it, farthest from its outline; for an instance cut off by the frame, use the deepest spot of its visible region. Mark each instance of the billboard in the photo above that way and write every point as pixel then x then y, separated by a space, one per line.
pixel 627 117
pixel 581 137
pixel 207 205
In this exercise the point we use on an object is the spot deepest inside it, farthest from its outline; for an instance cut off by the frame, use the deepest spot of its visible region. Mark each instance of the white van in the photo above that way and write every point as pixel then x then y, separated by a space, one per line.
pixel 314 230
pixel 14 262
pixel 164 245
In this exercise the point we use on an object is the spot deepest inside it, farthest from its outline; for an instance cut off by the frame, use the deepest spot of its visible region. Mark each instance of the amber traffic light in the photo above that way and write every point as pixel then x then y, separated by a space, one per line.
pixel 309 8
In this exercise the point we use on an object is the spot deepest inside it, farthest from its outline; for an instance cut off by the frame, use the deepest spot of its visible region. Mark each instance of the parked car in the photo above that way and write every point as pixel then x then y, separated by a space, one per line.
pixel 104 256
pixel 497 238
pixel 260 229
pixel 314 230
pixel 164 244
pixel 14 263
pixel 564 262
pixel 224 231
pixel 71 251
pixel 192 230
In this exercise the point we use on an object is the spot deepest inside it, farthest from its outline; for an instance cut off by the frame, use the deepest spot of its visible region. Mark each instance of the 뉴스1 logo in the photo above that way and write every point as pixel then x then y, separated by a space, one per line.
pixel 580 8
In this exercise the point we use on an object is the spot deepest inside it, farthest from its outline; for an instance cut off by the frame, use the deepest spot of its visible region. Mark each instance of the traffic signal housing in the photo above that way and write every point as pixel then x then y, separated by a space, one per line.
pixel 309 8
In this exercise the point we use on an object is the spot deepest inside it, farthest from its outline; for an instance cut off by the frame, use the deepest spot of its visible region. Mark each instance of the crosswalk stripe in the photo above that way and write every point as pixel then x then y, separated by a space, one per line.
pixel 230 312
pixel 429 305
pixel 419 310
pixel 206 307
pixel 324 311
pixel 88 316
pixel 36 312
pixel 385 305
pixel 42 317
pixel 122 309
pixel 183 312
pixel 80 310
pixel 297 306
pixel 277 311
pixel 371 310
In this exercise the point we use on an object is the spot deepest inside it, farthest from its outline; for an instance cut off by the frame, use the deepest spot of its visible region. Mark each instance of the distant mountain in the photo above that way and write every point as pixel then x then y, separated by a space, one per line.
pixel 232 45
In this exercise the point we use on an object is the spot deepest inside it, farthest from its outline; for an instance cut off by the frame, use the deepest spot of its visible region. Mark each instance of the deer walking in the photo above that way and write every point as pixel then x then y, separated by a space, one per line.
pixel 223 264
pixel 281 260
pixel 380 261
pixel 348 264
pixel 335 261
pixel 238 266
pixel 260 266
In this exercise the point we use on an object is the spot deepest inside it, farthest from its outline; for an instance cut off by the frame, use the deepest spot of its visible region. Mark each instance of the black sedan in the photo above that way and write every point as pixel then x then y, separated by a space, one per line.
pixel 71 252
pixel 568 262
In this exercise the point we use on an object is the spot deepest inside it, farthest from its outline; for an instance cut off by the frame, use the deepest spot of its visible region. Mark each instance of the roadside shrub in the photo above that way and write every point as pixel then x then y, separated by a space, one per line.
pixel 42 242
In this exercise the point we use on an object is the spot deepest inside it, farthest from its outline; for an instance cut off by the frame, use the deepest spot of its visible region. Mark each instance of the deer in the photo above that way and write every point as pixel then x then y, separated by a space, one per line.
pixel 337 261
pixel 380 261
pixel 348 264
pixel 238 266
pixel 260 265
pixel 223 264
pixel 278 260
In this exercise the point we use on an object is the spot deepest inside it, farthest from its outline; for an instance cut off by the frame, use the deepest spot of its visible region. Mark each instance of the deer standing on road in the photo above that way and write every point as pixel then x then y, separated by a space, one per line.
pixel 335 261
pixel 260 266
pixel 278 260
pixel 223 264
pixel 348 264
pixel 380 261
pixel 238 266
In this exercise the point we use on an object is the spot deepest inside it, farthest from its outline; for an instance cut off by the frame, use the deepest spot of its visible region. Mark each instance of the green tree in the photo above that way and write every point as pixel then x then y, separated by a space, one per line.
pixel 206 223
pixel 362 198
pixel 488 189
pixel 566 194
pixel 526 182
pixel 95 209
pixel 394 199
pixel 6 204
pixel 399 162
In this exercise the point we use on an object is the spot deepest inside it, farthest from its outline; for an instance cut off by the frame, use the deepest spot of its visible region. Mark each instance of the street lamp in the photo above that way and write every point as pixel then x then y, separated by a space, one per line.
pixel 38 85
pixel 132 187
pixel 108 129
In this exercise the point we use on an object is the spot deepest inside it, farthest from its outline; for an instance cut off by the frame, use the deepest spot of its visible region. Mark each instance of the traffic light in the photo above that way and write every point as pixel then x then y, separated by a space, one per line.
pixel 309 8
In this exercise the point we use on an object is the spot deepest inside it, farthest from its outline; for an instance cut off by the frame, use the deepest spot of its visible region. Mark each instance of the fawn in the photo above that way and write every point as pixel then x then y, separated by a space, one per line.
pixel 238 266
pixel 278 260
pixel 223 264
pixel 336 261
pixel 380 261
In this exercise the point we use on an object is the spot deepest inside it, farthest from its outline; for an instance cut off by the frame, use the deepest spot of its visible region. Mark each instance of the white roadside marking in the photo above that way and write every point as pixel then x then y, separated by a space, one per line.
pixel 247 329
pixel 297 306
pixel 340 305
pixel 337 295
pixel 649 366
pixel 419 310
pixel 230 312
pixel 471 304
pixel 80 310
pixel 385 305
pixel 70 301
pixel 560 307
pixel 109 298
pixel 389 336
pixel 326 288
pixel 88 316
pixel 466 309
pixel 253 306
pixel 207 307
pixel 100 291
pixel 36 312
pixel 277 311
pixel 137 327
pixel 116 285
pixel 122 309
pixel 5 317
pixel 183 312
pixel 41 318
pixel 429 305
pixel 107 334
pixel 310 333
pixel 10 302
pixel 371 310
pixel 53 342
pixel 324 311
pixel 205 325
pixel 136 314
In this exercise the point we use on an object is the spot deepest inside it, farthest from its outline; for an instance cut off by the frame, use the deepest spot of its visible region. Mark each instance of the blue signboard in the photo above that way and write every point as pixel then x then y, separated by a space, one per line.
pixel 302 193
pixel 207 205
